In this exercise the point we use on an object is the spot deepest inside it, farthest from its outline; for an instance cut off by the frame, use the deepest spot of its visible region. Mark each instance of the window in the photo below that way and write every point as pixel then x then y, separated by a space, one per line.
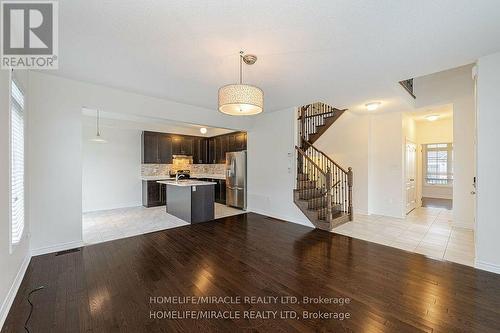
pixel 17 163
pixel 438 158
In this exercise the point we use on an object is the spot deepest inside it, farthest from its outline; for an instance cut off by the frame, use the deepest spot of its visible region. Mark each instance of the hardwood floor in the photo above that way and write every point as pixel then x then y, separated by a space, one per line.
pixel 107 287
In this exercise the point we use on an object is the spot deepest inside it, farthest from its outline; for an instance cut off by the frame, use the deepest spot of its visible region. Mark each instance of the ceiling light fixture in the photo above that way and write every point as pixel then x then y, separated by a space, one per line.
pixel 98 138
pixel 432 117
pixel 373 106
pixel 203 130
pixel 241 99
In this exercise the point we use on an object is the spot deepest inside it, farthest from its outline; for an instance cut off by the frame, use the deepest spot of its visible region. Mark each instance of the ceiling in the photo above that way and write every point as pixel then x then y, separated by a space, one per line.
pixel 345 53
pixel 443 111
pixel 129 122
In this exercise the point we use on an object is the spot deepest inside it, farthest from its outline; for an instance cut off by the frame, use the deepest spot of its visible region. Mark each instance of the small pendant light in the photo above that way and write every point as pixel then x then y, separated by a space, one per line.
pixel 98 138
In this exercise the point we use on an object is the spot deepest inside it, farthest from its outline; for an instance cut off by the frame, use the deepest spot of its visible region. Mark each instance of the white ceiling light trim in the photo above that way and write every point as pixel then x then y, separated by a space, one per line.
pixel 432 117
pixel 372 106
pixel 241 99
pixel 203 130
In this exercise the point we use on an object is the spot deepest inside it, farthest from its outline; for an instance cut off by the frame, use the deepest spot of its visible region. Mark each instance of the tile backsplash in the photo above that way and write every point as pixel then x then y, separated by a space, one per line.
pixel 164 169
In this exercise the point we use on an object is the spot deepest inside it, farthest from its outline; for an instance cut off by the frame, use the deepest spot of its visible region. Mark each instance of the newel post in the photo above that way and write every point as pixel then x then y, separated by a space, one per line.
pixel 329 186
pixel 349 184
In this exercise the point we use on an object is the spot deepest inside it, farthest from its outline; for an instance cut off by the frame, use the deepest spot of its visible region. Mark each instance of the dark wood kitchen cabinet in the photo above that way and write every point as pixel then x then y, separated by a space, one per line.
pixel 220 189
pixel 165 149
pixel 200 151
pixel 153 194
pixel 211 151
pixel 159 148
pixel 150 141
pixel 182 145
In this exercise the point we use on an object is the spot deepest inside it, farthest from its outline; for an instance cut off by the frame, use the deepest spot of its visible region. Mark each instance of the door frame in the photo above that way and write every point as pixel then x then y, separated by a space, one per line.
pixel 405 209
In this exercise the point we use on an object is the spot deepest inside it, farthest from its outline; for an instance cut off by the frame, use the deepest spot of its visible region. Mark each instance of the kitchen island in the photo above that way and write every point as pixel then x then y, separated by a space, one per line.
pixel 190 200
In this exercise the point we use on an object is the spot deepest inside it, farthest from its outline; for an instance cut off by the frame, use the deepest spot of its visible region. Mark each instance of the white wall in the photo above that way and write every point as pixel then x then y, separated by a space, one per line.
pixel 111 171
pixel 488 161
pixel 346 142
pixel 56 148
pixel 386 170
pixel 439 131
pixel 271 166
pixel 456 87
pixel 12 264
pixel 372 145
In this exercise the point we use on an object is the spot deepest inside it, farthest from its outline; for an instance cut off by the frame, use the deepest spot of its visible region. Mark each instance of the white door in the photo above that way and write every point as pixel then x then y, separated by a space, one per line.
pixel 410 176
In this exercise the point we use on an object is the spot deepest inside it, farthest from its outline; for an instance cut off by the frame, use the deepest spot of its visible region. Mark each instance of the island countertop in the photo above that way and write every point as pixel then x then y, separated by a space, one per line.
pixel 187 182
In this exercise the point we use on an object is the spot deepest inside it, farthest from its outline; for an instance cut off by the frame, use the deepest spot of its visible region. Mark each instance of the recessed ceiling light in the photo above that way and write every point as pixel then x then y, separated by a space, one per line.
pixel 372 106
pixel 432 117
pixel 203 130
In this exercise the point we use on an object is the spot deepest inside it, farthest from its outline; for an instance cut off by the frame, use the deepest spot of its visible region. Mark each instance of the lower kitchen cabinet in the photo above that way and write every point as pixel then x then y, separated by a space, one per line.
pixel 220 189
pixel 153 194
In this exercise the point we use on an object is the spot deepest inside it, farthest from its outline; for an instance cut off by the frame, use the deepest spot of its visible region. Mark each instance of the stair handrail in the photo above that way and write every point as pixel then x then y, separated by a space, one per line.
pixel 325 155
pixel 310 160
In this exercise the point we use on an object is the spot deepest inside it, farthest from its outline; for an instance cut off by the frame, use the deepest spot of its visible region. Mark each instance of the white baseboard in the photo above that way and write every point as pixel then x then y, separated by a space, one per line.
pixel 485 266
pixel 11 295
pixel 305 222
pixel 56 248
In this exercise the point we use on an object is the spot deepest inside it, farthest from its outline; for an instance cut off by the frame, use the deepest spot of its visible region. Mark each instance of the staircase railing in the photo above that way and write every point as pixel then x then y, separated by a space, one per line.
pixel 316 183
pixel 311 116
pixel 335 181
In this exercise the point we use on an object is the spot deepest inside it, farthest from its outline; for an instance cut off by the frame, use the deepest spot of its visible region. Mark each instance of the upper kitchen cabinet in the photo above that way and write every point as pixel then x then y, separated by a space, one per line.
pixel 159 148
pixel 165 148
pixel 221 147
pixel 200 151
pixel 240 141
pixel 150 152
pixel 211 151
pixel 182 145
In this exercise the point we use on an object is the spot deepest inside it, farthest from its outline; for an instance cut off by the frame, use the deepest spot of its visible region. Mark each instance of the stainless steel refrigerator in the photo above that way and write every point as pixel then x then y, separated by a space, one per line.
pixel 236 179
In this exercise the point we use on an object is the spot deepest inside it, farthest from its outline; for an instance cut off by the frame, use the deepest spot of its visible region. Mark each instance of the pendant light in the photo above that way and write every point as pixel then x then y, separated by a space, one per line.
pixel 98 138
pixel 241 99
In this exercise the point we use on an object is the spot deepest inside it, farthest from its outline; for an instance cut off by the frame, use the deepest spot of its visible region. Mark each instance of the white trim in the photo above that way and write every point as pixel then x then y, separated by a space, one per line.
pixel 56 248
pixel 11 295
pixel 288 219
pixel 485 266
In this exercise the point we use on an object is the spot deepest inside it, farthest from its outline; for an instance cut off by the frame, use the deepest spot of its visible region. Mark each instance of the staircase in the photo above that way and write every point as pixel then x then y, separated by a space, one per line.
pixel 324 189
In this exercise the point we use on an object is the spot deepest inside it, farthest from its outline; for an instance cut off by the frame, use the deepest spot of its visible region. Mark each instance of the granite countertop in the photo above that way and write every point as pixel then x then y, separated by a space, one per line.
pixel 195 175
pixel 187 182
pixel 167 177
pixel 206 175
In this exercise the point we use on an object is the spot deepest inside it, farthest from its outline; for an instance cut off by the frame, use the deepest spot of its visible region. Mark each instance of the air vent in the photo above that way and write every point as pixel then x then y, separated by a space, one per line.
pixel 61 253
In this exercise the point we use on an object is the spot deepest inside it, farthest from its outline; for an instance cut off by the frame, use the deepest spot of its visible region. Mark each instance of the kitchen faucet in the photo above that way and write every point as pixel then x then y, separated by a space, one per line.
pixel 178 175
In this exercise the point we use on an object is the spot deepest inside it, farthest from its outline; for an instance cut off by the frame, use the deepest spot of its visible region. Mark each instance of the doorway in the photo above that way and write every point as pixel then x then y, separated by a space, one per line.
pixel 410 175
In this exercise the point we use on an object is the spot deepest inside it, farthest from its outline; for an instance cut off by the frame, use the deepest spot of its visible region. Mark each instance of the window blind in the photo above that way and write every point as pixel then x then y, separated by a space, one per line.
pixel 17 163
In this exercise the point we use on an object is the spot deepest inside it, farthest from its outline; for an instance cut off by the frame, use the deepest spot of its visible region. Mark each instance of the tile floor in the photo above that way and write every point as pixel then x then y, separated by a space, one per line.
pixel 112 224
pixel 425 230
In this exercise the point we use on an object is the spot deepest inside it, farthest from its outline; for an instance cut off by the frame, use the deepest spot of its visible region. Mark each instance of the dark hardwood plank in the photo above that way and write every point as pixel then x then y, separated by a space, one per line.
pixel 107 287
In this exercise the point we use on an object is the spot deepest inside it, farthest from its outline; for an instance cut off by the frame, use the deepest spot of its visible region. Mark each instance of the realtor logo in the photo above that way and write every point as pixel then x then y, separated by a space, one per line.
pixel 29 34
